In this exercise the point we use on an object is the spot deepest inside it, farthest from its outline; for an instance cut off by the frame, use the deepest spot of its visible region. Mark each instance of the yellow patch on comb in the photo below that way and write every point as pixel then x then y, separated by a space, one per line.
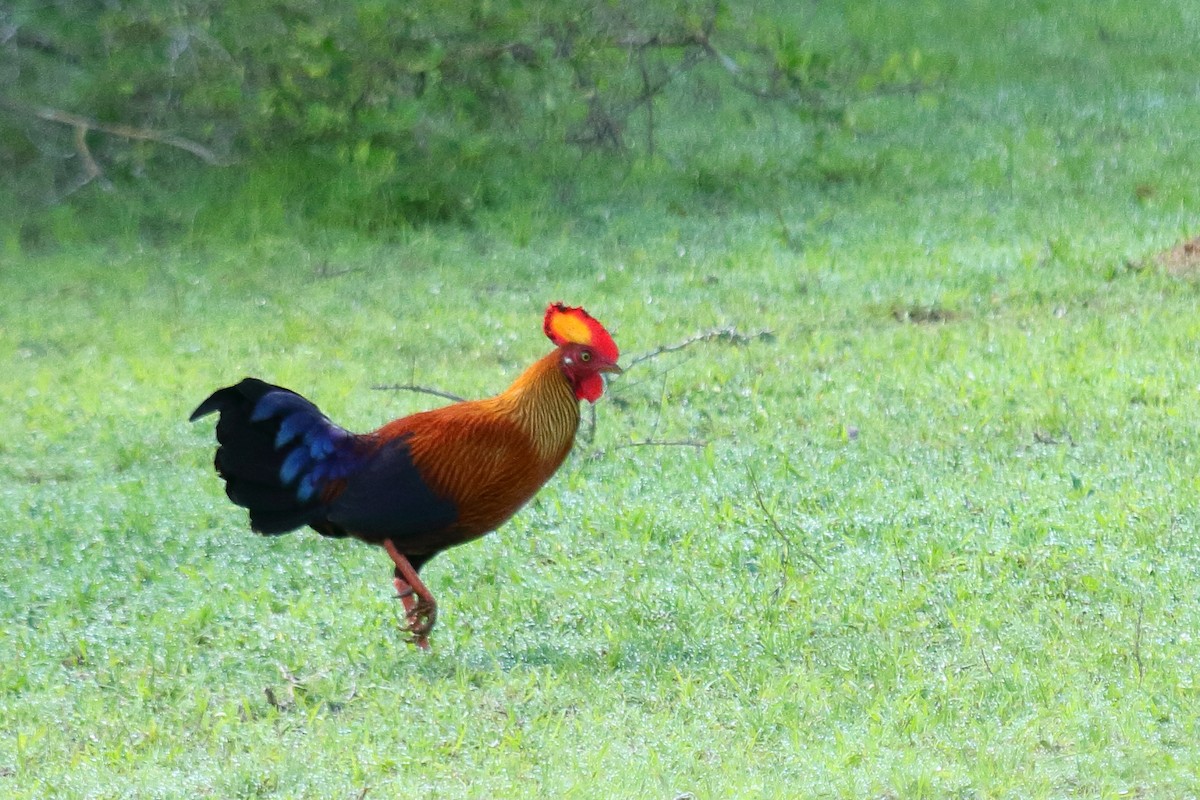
pixel 570 328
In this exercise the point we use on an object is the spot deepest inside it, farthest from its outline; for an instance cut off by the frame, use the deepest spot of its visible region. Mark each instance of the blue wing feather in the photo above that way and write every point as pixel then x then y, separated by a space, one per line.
pixel 314 451
pixel 294 425
pixel 291 466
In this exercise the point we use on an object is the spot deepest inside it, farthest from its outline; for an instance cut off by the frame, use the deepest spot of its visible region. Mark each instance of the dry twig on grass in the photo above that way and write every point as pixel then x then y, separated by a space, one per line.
pixel 696 443
pixel 412 387
pixel 728 334
pixel 781 534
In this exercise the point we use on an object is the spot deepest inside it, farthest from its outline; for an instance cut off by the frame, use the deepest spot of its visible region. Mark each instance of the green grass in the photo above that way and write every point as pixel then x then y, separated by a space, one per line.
pixel 974 570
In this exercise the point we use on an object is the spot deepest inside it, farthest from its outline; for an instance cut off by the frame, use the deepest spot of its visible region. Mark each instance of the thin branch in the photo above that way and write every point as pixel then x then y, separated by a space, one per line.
pixel 605 122
pixel 785 557
pixel 696 443
pixel 90 167
pixel 729 334
pixel 412 387
pixel 986 663
pixel 783 536
pixel 1045 438
pixel 651 90
pixel 91 170
pixel 642 41
pixel 323 271
pixel 117 129
pixel 35 41
pixel 719 334
pixel 588 432
pixel 662 403
pixel 663 443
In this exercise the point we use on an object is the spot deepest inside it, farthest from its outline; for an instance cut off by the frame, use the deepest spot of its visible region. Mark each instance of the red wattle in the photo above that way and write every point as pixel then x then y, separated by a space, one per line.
pixel 590 387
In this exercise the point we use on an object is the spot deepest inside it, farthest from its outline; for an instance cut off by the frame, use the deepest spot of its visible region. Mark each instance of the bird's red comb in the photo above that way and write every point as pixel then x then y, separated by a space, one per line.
pixel 567 325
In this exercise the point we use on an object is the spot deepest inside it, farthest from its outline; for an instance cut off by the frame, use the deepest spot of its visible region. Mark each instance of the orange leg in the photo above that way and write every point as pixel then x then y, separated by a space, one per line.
pixel 419 606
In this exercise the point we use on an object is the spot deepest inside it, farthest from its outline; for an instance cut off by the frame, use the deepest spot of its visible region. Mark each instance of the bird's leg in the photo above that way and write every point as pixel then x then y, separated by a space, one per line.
pixel 405 593
pixel 419 606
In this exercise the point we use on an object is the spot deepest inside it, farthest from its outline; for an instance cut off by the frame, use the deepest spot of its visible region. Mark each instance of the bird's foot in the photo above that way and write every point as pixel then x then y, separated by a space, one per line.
pixel 420 612
pixel 421 619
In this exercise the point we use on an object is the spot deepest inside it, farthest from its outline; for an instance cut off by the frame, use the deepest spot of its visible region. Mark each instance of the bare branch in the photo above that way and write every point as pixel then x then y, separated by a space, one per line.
pixel 35 41
pixel 725 61
pixel 648 92
pixel 641 41
pixel 785 556
pixel 323 271
pixel 986 664
pixel 663 443
pixel 606 121
pixel 117 129
pixel 412 387
pixel 89 164
pixel 720 334
pixel 651 89
pixel 783 536
pixel 91 170
pixel 696 443
pixel 588 431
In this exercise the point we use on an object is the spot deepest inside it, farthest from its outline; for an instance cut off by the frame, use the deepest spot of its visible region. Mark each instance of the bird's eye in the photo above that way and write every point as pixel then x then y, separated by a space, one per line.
pixel 585 356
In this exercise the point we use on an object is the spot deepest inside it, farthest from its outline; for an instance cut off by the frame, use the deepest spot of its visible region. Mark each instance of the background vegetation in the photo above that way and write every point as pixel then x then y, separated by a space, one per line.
pixel 367 115
pixel 939 541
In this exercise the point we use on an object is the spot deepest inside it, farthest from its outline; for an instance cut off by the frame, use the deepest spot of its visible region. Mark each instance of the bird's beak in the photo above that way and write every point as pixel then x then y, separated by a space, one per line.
pixel 611 367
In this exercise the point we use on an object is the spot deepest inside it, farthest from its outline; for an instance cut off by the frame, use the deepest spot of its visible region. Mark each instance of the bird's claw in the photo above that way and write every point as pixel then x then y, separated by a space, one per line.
pixel 421 618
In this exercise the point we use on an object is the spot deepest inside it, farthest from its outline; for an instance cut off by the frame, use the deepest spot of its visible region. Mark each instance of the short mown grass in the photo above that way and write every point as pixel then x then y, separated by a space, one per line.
pixel 940 541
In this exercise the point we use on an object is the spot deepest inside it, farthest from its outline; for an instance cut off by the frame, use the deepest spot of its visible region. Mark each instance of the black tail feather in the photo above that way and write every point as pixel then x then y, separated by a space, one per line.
pixel 250 459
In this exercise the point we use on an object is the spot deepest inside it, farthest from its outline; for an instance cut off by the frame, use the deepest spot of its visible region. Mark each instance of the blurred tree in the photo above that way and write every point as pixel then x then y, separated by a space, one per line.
pixel 409 100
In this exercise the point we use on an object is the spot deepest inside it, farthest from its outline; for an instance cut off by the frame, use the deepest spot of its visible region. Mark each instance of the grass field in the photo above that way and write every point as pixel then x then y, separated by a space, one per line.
pixel 941 540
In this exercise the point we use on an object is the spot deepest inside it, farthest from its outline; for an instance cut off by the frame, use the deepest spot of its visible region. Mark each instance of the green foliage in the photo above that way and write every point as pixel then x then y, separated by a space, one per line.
pixel 413 111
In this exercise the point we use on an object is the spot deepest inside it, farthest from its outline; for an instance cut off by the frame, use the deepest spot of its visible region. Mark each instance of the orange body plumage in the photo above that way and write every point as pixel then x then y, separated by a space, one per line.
pixel 491 456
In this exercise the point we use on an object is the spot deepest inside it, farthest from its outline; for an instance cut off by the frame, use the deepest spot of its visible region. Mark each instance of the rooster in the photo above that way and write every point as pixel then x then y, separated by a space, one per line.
pixel 419 484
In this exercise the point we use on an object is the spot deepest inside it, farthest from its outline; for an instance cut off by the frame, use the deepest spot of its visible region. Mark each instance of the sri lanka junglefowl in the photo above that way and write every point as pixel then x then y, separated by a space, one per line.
pixel 419 484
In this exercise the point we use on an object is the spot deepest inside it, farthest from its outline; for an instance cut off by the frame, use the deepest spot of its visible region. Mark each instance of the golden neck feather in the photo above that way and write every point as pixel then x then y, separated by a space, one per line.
pixel 543 404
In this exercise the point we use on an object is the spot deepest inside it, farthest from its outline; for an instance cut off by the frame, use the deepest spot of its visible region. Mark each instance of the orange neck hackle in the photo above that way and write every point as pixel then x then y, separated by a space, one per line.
pixel 543 404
